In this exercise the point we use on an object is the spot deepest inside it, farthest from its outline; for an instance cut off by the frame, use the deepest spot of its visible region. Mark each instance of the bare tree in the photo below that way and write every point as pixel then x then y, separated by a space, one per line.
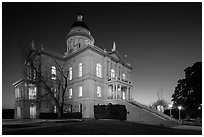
pixel 44 79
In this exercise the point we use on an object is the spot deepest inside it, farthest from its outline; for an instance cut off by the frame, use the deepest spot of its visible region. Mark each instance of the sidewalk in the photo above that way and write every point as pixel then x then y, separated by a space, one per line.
pixel 188 127
pixel 33 121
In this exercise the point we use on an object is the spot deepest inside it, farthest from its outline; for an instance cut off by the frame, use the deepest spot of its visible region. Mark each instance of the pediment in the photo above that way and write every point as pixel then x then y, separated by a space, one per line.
pixel 116 56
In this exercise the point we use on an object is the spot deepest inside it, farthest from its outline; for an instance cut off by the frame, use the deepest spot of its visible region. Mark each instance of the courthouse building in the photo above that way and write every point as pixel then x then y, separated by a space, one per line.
pixel 96 76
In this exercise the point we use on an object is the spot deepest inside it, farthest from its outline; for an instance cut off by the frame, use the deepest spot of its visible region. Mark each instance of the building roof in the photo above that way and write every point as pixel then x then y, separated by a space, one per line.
pixel 79 23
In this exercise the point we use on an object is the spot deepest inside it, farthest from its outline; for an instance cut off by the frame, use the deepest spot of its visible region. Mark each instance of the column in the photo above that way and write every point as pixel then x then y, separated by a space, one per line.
pixel 116 91
pixel 113 91
pixel 120 91
pixel 129 94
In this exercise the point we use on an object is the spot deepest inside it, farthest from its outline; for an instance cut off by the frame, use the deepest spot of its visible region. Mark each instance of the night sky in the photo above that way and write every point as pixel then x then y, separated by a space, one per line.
pixel 159 39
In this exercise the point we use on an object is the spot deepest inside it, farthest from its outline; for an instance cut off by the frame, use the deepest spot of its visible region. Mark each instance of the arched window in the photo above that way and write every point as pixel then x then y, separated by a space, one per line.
pixel 80 69
pixel 112 73
pixel 98 70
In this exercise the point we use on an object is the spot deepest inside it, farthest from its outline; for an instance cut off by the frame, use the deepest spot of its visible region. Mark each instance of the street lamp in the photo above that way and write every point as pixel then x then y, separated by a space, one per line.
pixel 170 107
pixel 179 107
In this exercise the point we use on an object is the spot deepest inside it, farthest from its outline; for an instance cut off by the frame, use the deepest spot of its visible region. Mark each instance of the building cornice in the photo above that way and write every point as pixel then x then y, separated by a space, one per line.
pixel 86 47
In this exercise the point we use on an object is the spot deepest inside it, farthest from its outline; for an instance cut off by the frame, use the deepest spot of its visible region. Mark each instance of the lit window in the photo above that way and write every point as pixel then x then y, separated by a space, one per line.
pixel 70 108
pixel 124 76
pixel 32 91
pixel 112 73
pixel 80 91
pixel 124 95
pixel 33 111
pixel 17 92
pixel 98 91
pixel 80 69
pixel 54 91
pixel 55 109
pixel 70 93
pixel 70 73
pixel 34 74
pixel 98 70
pixel 53 72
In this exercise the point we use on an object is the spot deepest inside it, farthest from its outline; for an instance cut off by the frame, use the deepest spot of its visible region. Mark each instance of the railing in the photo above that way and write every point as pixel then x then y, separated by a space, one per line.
pixel 120 79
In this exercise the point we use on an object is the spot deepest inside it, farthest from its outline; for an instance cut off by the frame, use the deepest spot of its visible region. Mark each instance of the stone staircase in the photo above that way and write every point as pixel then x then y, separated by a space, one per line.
pixel 142 114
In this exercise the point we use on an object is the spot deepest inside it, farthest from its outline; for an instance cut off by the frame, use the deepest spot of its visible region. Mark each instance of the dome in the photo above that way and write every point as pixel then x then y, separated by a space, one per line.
pixel 79 23
pixel 79 28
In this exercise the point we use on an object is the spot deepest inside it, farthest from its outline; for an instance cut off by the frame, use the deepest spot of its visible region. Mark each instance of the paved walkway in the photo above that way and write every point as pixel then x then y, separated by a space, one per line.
pixel 33 121
pixel 188 127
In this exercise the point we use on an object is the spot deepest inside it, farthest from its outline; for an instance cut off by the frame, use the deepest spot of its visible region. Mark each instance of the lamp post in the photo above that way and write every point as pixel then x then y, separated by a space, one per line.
pixel 170 107
pixel 179 107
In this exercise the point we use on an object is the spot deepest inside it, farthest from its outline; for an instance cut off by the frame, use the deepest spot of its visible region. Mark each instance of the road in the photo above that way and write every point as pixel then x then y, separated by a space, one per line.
pixel 93 127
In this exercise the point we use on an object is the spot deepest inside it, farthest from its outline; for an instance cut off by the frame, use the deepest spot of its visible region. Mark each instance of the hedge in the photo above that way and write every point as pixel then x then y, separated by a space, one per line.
pixel 75 115
pixel 48 115
pixel 7 113
pixel 110 112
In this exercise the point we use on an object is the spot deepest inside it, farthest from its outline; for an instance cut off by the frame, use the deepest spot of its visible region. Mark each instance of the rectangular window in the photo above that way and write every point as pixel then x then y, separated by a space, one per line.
pixel 70 73
pixel 80 69
pixel 70 108
pixel 54 91
pixel 17 92
pixel 98 91
pixel 70 93
pixel 124 76
pixel 53 72
pixel 32 91
pixel 112 73
pixel 80 91
pixel 98 70
pixel 124 95
pixel 55 109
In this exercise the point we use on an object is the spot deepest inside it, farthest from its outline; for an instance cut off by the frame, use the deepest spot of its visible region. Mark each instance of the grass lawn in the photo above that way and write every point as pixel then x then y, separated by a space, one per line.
pixel 95 127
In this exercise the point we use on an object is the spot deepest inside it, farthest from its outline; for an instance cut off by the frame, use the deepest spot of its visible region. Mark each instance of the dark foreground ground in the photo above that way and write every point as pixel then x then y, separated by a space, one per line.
pixel 93 127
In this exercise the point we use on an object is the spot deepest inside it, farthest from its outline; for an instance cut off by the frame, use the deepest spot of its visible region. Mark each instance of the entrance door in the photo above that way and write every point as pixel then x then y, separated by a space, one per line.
pixel 18 113
pixel 32 111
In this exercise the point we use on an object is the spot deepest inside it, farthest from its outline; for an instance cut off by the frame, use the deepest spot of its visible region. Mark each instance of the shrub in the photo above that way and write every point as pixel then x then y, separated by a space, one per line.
pixel 75 115
pixel 48 115
pixel 110 112
pixel 8 113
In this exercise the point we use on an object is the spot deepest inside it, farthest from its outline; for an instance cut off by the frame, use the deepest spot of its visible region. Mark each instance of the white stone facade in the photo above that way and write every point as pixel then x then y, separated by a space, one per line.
pixel 96 76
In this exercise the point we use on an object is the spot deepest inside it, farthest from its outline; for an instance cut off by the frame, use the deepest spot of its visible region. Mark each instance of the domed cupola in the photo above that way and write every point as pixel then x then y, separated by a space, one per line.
pixel 79 36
